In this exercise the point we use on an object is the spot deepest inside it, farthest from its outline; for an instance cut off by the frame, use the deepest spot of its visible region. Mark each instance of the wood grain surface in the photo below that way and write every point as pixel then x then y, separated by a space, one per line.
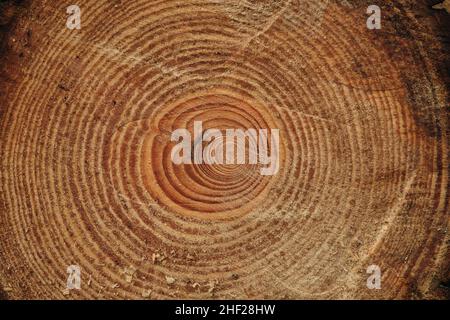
pixel 85 171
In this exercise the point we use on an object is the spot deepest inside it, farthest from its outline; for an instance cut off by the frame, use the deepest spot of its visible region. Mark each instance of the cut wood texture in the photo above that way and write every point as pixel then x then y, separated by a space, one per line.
pixel 86 177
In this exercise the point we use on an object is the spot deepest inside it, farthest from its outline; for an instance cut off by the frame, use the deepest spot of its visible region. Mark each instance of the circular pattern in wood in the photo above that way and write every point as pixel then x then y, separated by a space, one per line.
pixel 86 175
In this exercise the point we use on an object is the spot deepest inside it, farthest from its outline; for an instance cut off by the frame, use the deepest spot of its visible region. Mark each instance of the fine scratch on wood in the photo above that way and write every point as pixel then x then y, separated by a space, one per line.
pixel 271 22
pixel 395 210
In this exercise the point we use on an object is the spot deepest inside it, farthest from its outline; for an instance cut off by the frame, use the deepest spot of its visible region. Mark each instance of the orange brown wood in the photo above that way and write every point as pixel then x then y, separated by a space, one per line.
pixel 86 177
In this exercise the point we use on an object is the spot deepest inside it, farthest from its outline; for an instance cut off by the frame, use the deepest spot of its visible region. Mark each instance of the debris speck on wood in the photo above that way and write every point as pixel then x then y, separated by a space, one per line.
pixel 129 273
pixel 170 280
pixel 158 258
pixel 146 293
pixel 212 286
pixel 190 257
pixel 196 285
